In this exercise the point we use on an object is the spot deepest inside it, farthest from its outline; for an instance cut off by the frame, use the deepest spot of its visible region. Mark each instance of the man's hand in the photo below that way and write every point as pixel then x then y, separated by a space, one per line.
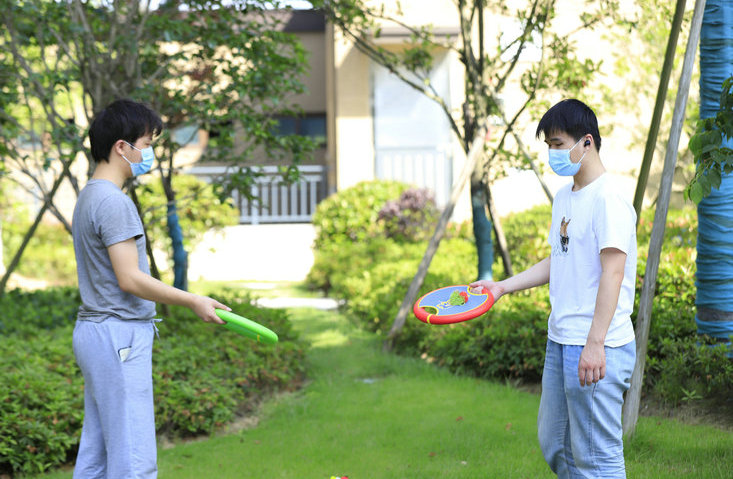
pixel 497 291
pixel 204 308
pixel 592 364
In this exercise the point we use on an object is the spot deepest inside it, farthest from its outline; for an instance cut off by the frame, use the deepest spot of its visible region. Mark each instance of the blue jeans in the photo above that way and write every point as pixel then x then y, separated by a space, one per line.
pixel 579 427
pixel 118 436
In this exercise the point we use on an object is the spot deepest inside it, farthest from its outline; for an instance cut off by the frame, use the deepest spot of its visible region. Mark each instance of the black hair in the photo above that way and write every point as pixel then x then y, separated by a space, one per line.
pixel 573 117
pixel 121 120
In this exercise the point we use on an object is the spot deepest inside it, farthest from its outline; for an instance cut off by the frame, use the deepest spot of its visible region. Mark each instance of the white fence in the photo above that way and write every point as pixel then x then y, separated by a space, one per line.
pixel 423 167
pixel 275 202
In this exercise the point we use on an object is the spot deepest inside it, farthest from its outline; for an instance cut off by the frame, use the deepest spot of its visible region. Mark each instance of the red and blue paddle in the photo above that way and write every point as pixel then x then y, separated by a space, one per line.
pixel 452 304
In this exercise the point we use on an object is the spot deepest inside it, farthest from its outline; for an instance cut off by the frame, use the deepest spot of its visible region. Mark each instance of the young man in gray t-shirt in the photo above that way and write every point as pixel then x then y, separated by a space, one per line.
pixel 113 336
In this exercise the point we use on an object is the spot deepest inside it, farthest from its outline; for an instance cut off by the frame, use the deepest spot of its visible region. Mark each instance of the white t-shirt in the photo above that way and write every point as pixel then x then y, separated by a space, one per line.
pixel 583 223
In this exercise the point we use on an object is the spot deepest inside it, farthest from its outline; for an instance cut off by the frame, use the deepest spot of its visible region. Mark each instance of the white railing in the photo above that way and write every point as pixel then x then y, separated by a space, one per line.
pixel 428 168
pixel 275 202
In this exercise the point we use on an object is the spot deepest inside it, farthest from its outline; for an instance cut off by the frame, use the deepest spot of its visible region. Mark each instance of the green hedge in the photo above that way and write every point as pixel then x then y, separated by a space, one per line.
pixel 41 401
pixel 352 215
pixel 204 376
pixel 509 342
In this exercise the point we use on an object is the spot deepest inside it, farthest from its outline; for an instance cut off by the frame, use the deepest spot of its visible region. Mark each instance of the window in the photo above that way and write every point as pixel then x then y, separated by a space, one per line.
pixel 312 126
pixel 186 135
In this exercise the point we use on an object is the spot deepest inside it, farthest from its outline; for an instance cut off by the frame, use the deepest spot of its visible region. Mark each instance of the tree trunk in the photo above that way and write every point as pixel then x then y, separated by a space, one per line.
pixel 180 256
pixel 154 272
pixel 499 232
pixel 714 283
pixel 533 165
pixel 633 397
pixel 481 229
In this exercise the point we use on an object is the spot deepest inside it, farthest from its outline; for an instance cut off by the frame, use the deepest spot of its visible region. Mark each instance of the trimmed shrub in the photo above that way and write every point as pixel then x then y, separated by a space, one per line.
pixel 691 368
pixel 41 401
pixel 526 234
pixel 24 313
pixel 211 388
pixel 204 376
pixel 352 214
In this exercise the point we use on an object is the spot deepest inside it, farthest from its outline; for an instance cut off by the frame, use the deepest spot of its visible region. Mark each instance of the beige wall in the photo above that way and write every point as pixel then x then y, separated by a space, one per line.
pixel 314 100
pixel 353 139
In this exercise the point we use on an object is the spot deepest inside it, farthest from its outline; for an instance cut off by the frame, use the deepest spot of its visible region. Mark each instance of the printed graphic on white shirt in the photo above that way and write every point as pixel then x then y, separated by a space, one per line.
pixel 564 237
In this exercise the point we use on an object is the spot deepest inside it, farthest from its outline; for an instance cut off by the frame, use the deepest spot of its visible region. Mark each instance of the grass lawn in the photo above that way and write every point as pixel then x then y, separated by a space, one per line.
pixel 367 414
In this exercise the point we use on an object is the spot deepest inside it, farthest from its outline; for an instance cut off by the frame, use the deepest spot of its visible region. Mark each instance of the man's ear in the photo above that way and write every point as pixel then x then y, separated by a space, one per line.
pixel 119 147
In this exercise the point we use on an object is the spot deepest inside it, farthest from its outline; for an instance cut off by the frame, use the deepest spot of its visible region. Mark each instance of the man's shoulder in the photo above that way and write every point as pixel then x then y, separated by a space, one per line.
pixel 102 202
pixel 96 187
pixel 610 197
pixel 99 192
pixel 610 188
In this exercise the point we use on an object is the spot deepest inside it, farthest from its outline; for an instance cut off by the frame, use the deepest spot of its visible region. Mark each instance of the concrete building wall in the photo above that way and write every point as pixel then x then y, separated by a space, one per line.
pixel 353 145
pixel 314 100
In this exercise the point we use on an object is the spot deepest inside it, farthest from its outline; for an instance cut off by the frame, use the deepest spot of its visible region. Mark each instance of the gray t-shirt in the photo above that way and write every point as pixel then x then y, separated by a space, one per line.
pixel 104 216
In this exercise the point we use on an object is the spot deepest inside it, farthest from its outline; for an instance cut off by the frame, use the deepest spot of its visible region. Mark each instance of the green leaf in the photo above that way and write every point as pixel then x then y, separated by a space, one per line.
pixel 704 183
pixel 696 194
pixel 695 144
pixel 714 177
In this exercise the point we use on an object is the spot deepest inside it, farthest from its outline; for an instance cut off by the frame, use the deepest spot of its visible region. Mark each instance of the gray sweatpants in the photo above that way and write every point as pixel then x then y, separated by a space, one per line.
pixel 118 436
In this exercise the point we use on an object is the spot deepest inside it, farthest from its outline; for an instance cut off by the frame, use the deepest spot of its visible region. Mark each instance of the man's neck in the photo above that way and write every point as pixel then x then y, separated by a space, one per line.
pixel 106 171
pixel 590 171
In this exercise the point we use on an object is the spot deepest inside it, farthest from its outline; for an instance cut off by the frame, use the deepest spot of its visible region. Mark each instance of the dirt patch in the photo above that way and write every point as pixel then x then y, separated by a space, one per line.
pixel 239 424
pixel 697 412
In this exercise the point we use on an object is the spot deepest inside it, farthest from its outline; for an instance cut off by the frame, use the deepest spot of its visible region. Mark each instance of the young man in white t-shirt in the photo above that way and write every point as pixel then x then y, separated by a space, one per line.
pixel 592 271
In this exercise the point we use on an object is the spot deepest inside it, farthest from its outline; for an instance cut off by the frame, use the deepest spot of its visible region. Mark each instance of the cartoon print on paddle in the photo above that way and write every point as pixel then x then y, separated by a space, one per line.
pixel 564 238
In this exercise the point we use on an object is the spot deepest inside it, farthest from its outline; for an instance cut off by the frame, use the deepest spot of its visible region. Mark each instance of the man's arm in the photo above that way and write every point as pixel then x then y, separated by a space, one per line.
pixel 592 365
pixel 131 280
pixel 536 275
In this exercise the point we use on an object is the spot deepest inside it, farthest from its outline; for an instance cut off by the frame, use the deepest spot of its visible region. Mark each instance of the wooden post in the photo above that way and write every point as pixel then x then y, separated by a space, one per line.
pixel 633 397
pixel 473 154
pixel 651 140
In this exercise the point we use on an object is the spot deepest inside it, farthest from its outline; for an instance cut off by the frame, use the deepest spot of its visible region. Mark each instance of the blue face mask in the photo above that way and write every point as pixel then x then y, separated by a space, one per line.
pixel 146 161
pixel 560 161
